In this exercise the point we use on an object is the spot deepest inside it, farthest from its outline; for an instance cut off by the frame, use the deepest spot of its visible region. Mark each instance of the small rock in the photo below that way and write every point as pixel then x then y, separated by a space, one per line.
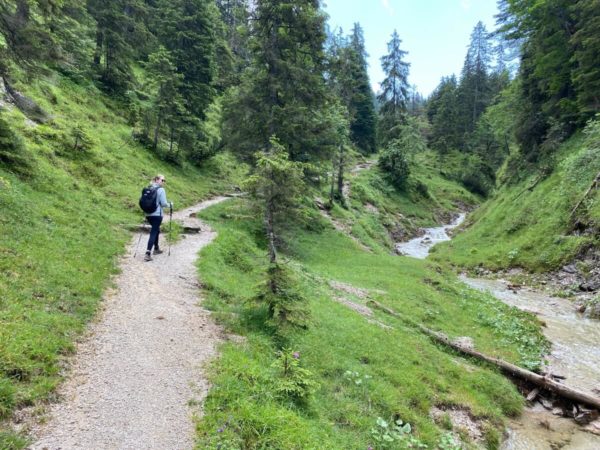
pixel 570 268
pixel 590 285
pixel 594 427
pixel 586 416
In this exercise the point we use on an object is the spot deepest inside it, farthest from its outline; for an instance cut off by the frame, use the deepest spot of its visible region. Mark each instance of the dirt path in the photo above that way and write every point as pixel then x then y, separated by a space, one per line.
pixel 353 172
pixel 139 369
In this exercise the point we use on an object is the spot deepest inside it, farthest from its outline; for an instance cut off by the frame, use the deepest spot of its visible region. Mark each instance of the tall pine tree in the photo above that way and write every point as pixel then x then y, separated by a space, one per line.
pixel 362 110
pixel 283 93
pixel 474 90
pixel 117 33
pixel 187 28
pixel 393 97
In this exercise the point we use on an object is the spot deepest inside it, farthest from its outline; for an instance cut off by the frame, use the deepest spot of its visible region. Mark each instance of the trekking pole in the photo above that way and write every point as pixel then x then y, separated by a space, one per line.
pixel 140 238
pixel 170 222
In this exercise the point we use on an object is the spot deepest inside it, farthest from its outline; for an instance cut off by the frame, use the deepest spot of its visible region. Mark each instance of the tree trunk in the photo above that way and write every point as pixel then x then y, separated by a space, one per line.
pixel 516 371
pixel 171 139
pixel 340 177
pixel 270 228
pixel 331 192
pixel 157 130
pixel 98 49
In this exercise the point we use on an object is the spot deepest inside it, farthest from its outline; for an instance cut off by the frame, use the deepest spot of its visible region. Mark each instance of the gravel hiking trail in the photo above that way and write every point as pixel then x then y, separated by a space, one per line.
pixel 136 376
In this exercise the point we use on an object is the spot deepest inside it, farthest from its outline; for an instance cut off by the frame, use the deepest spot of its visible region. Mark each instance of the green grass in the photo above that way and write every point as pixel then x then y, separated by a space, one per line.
pixel 63 229
pixel 531 229
pixel 363 371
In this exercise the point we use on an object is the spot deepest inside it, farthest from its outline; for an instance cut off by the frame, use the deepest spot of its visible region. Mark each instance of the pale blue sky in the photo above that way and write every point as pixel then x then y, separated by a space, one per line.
pixel 435 32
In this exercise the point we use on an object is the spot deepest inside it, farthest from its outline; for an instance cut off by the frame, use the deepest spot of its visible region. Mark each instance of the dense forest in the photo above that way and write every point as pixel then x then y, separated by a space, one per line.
pixel 263 96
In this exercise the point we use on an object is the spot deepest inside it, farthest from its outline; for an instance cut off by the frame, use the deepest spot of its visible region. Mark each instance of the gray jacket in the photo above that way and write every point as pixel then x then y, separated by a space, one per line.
pixel 161 201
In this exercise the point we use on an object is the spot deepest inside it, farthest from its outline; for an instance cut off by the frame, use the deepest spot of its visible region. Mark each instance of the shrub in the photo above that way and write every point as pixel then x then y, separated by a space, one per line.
pixel 394 162
pixel 13 153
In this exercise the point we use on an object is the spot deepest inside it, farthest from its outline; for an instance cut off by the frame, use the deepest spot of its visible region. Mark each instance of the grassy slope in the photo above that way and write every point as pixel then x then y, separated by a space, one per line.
pixel 400 213
pixel 531 229
pixel 61 230
pixel 408 373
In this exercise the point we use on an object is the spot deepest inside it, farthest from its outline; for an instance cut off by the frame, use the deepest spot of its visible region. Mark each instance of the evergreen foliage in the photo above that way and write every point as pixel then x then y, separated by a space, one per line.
pixel 286 305
pixel 394 161
pixel 187 29
pixel 361 105
pixel 117 31
pixel 283 92
pixel 474 90
pixel 276 185
pixel 13 153
pixel 443 113
pixel 559 73
pixel 393 97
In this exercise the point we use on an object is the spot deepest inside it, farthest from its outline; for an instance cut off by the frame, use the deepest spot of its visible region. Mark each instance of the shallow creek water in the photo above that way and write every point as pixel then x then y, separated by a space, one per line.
pixel 419 247
pixel 575 354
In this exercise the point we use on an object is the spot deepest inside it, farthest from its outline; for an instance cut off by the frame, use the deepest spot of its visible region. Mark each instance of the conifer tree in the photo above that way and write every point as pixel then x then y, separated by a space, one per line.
pixel 443 114
pixel 586 56
pixel 168 108
pixel 117 28
pixel 187 28
pixel 394 90
pixel 283 93
pixel 360 105
pixel 474 90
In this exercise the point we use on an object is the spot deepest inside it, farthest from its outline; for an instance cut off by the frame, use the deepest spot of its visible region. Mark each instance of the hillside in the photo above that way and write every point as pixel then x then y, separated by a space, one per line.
pixel 539 221
pixel 64 226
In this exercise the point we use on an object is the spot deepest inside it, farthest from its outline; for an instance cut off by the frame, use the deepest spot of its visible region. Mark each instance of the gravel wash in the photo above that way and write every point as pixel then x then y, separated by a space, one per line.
pixel 136 377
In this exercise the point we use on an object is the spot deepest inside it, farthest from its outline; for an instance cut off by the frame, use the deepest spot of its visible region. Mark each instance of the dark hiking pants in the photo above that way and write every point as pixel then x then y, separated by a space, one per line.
pixel 155 222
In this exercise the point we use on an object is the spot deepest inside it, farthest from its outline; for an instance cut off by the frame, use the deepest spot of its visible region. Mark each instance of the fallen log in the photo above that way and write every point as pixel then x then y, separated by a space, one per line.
pixel 592 186
pixel 147 228
pixel 545 382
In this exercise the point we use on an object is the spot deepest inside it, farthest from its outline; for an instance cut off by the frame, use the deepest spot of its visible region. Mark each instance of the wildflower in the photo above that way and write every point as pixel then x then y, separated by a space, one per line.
pixel 296 355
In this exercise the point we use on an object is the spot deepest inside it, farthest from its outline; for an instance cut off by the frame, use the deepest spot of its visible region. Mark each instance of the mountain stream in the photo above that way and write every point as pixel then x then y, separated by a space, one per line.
pixel 575 355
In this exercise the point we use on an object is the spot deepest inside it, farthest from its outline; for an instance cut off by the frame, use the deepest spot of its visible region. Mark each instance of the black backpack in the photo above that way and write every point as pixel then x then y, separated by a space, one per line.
pixel 148 199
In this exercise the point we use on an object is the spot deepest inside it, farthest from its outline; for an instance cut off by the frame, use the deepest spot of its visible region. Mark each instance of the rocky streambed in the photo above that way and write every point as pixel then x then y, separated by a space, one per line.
pixel 575 356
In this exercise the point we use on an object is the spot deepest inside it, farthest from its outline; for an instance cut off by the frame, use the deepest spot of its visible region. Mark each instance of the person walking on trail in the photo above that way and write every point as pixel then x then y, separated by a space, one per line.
pixel 155 218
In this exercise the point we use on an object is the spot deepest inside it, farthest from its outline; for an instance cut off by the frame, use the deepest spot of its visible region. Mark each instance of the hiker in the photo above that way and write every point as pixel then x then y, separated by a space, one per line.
pixel 155 218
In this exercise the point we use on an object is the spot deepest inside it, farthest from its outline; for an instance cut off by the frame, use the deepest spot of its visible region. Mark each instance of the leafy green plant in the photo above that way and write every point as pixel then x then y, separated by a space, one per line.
pixel 448 442
pixel 394 435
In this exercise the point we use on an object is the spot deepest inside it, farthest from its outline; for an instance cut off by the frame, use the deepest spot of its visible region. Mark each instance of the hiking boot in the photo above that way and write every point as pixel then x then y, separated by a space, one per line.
pixel 158 251
pixel 148 257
